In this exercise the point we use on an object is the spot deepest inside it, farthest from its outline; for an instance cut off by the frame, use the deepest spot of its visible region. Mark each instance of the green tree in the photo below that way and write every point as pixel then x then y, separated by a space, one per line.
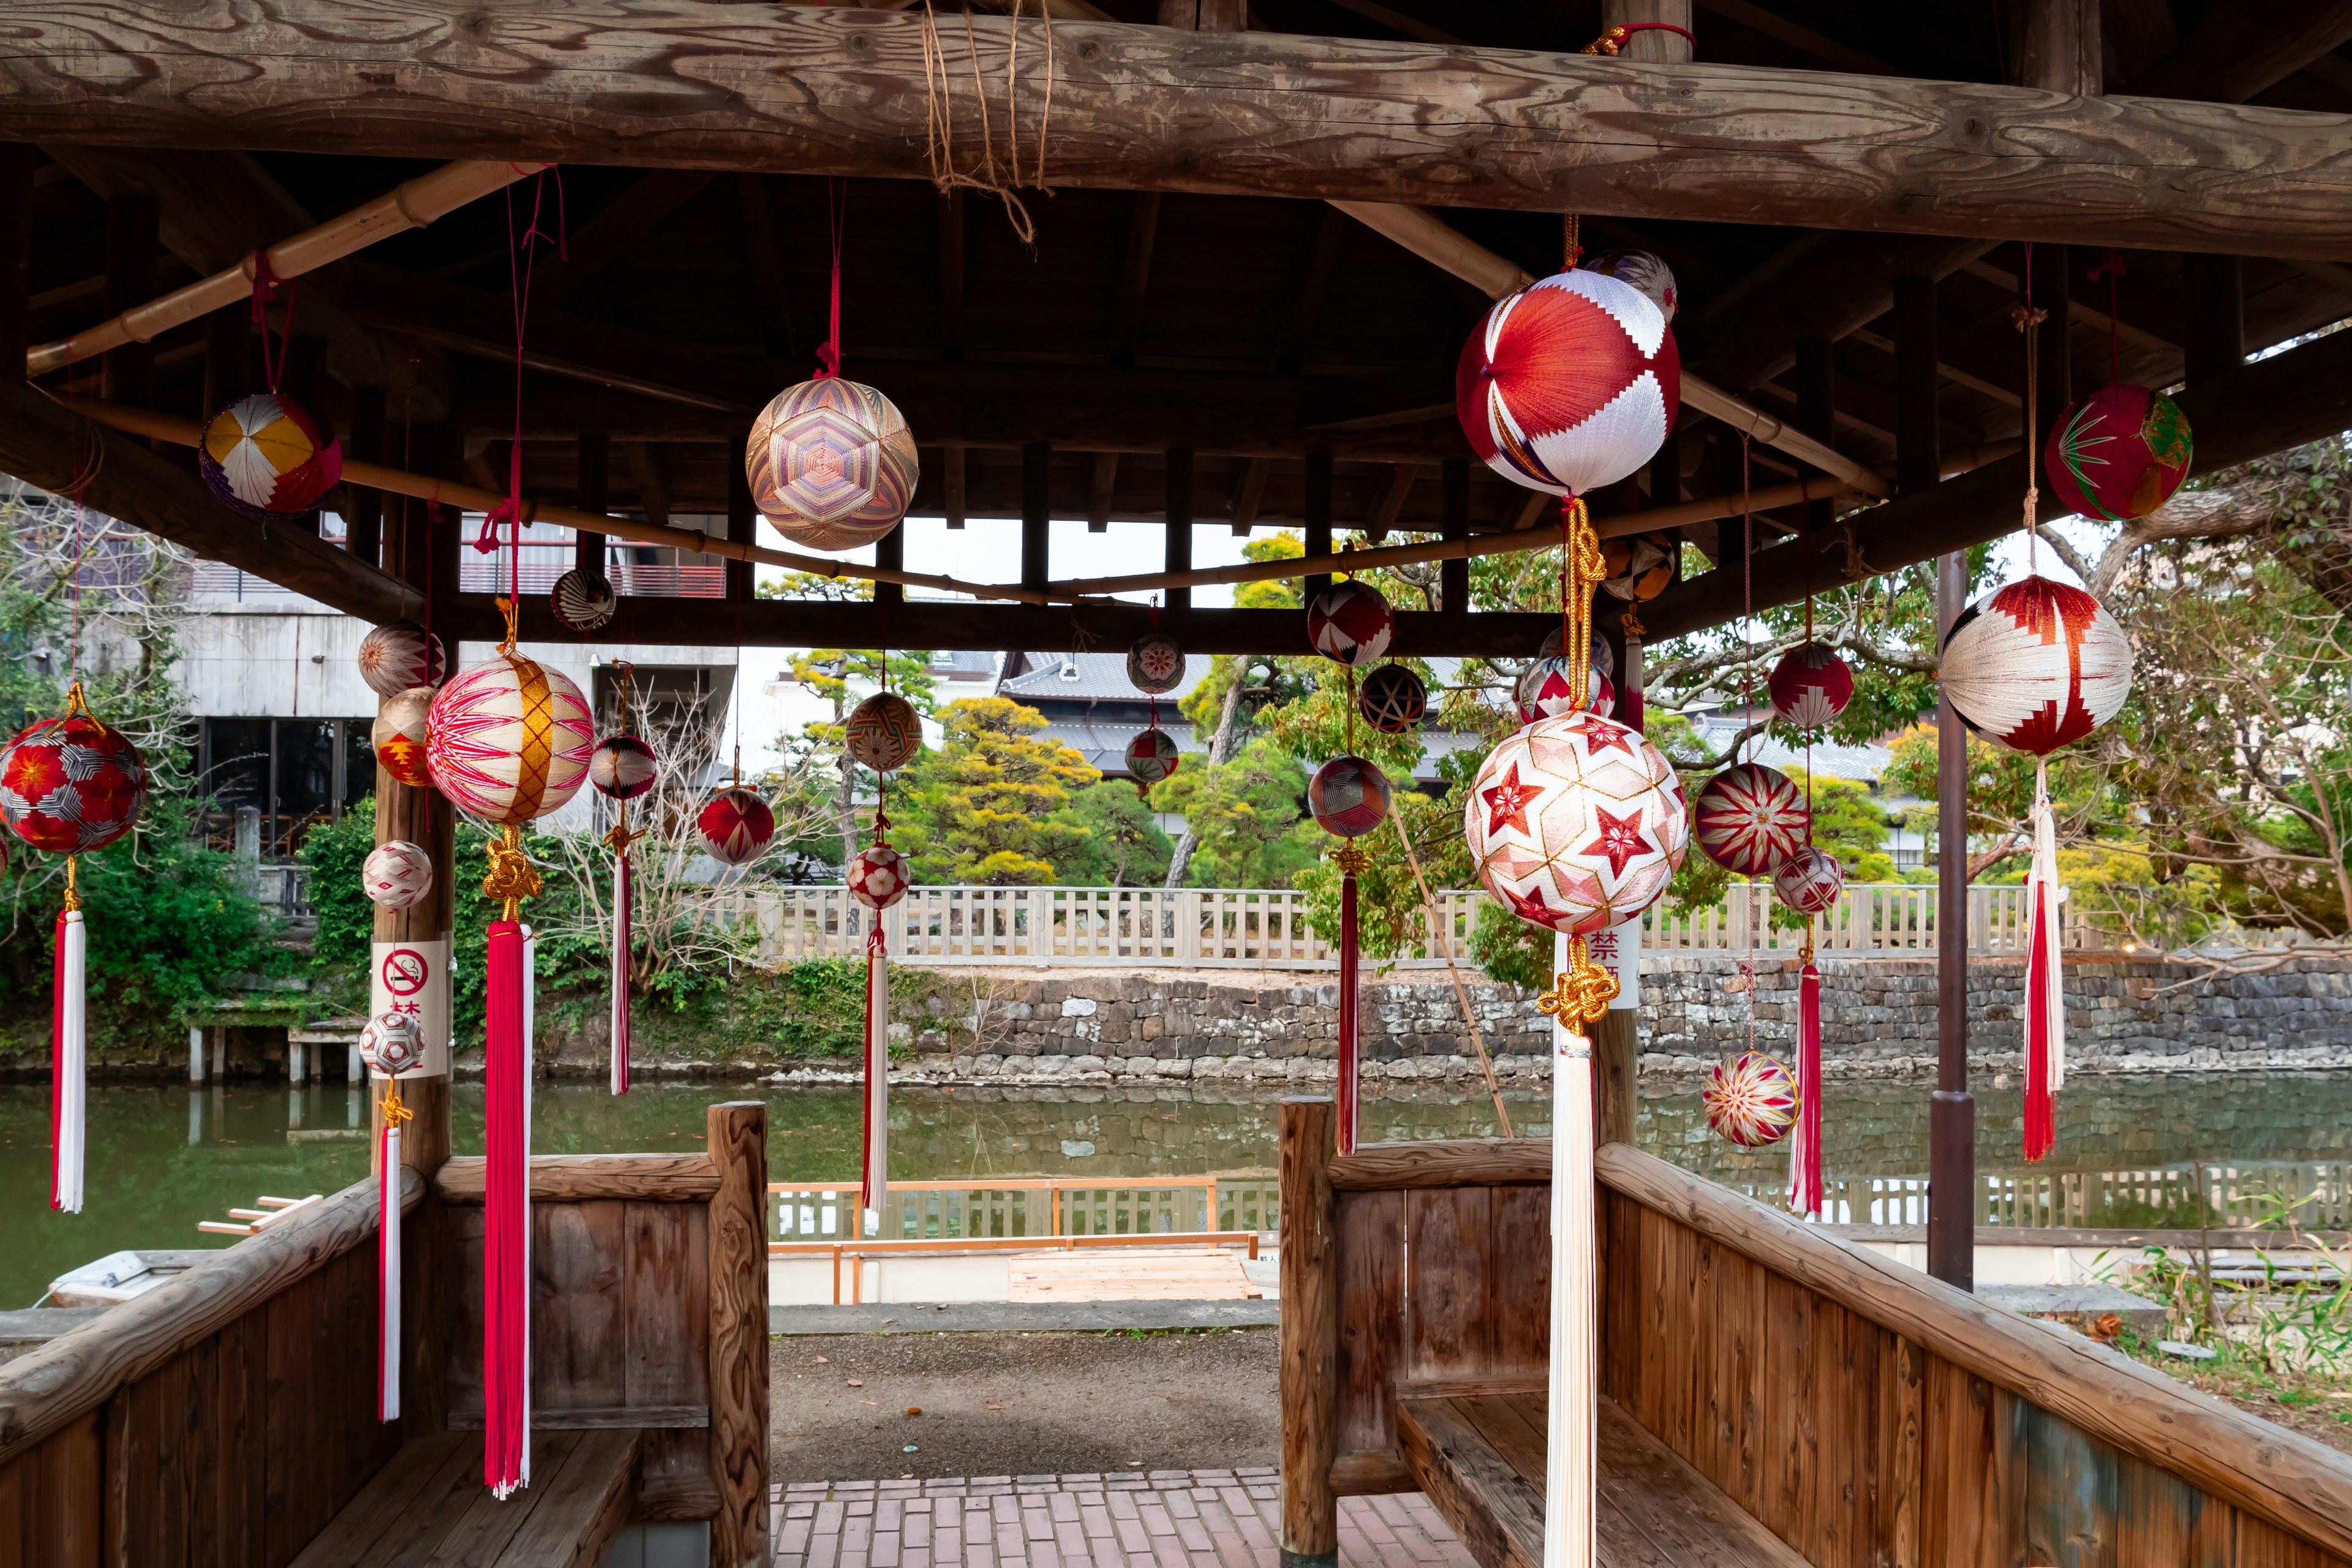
pixel 1244 818
pixel 1124 846
pixel 1850 825
pixel 991 804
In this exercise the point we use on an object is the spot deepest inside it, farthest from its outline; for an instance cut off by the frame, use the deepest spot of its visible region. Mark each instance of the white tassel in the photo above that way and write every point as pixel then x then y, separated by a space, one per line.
pixel 2044 873
pixel 387 1396
pixel 530 1047
pixel 621 938
pixel 874 1175
pixel 1570 1485
pixel 70 1070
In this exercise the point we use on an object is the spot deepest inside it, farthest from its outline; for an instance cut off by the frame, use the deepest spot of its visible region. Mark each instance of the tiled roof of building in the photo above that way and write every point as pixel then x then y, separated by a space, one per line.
pixel 1091 676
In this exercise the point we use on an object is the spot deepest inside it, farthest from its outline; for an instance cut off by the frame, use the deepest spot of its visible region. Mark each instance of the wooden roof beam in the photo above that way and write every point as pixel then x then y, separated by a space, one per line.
pixel 690 84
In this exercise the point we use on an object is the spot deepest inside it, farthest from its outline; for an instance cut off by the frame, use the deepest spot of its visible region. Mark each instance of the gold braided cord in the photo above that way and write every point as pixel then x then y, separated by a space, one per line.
pixel 73 894
pixel 1582 993
pixel 1585 571
pixel 77 706
pixel 511 610
pixel 1351 858
pixel 511 877
pixel 394 1112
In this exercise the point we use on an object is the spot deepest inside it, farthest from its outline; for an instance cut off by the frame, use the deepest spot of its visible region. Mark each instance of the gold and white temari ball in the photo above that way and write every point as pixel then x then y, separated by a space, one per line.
pixel 1576 824
pixel 508 740
pixel 832 464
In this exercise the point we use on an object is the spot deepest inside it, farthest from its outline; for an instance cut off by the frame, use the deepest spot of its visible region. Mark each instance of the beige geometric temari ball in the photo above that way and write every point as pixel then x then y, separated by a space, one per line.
pixel 832 464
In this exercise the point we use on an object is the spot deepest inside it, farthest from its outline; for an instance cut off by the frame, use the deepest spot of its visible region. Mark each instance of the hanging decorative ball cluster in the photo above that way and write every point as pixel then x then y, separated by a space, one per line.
pixel 508 740
pixel 71 783
pixel 1155 665
pixel 398 875
pixel 1576 824
pixel 268 456
pixel 583 601
pixel 1751 1101
pixel 735 825
pixel 2119 453
pixel 391 1044
pixel 1810 880
pixel 1392 699
pixel 400 655
pixel 832 464
pixel 623 767
pixel 1347 798
pixel 878 875
pixel 1152 758
pixel 398 736
pixel 1350 623
pixel 2036 664
pixel 1750 818
pixel 1810 686
pixel 884 731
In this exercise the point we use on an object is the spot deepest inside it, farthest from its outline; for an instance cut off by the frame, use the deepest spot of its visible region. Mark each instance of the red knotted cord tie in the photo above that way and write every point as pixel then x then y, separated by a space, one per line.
pixel 266 286
pixel 828 353
pixel 1609 42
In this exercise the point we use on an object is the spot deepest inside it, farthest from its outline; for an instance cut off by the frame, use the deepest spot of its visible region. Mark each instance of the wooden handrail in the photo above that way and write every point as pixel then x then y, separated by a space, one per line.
pixel 580 1178
pixel 73 1374
pixel 1468 1162
pixel 2287 1478
pixel 884 1246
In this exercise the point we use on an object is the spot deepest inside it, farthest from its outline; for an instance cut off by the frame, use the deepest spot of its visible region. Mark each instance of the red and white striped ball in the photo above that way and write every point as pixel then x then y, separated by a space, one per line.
pixel 2036 664
pixel 398 875
pixel 1750 818
pixel 269 457
pixel 1810 880
pixel 393 1043
pixel 623 767
pixel 734 826
pixel 71 783
pixel 1810 685
pixel 878 877
pixel 508 740
pixel 1347 798
pixel 832 464
pixel 1155 665
pixel 882 731
pixel 1352 624
pixel 1576 824
pixel 399 734
pixel 1751 1101
pixel 399 655
pixel 1570 384
pixel 1546 691
pixel 1647 271
pixel 1152 757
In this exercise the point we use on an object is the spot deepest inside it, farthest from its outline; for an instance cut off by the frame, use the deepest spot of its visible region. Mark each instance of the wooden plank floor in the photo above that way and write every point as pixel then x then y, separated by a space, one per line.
pixel 428 1507
pixel 1203 1273
pixel 1480 1457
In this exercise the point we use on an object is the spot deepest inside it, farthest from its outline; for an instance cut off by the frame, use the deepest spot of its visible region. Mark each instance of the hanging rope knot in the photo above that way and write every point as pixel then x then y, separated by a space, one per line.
pixel 940 138
pixel 266 287
pixel 1352 858
pixel 2111 266
pixel 2025 315
pixel 1631 624
pixel 1581 993
pixel 881 829
pixel 73 862
pixel 510 609
pixel 1609 42
pixel 619 837
pixel 394 1111
pixel 1805 954
pixel 76 705
pixel 511 877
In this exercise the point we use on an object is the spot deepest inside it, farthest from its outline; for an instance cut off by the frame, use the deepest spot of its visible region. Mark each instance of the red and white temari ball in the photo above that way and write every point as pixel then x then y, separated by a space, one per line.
pixel 399 655
pixel 1750 818
pixel 1152 757
pixel 1351 623
pixel 2035 665
pixel 882 731
pixel 267 456
pixel 1752 1100
pixel 735 825
pixel 1393 699
pixel 398 736
pixel 878 877
pixel 70 784
pixel 832 464
pixel 398 875
pixel 1347 798
pixel 393 1043
pixel 1544 692
pixel 508 740
pixel 1576 824
pixel 1569 384
pixel 1644 270
pixel 1810 880
pixel 622 767
pixel 2119 453
pixel 1155 665
pixel 1810 685
pixel 1604 657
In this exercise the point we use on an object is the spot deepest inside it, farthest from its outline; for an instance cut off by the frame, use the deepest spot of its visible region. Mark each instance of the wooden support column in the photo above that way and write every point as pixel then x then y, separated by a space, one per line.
pixel 2057 46
pixel 228 352
pixel 742 520
pixel 2217 316
pixel 1318 516
pixel 15 257
pixel 1308 1352
pixel 1100 487
pixel 1655 46
pixel 131 247
pixel 1180 522
pixel 737 1135
pixel 1453 576
pixel 362 505
pixel 1037 513
pixel 952 489
pixel 1951 1109
pixel 1919 439
pixel 1816 377
pixel 305 380
pixel 594 484
pixel 890 554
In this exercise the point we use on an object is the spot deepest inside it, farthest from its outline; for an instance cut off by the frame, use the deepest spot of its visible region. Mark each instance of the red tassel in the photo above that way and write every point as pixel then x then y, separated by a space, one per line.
pixel 1347 1013
pixel 622 895
pixel 1805 1151
pixel 2041 1101
pixel 506 1236
pixel 874 1164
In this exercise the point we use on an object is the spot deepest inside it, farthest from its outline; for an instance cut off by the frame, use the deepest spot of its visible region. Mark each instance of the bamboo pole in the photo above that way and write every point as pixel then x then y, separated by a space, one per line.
pixel 413 203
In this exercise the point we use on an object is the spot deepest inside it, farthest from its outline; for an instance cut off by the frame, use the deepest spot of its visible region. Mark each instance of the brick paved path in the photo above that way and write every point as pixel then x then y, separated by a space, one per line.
pixel 1166 1519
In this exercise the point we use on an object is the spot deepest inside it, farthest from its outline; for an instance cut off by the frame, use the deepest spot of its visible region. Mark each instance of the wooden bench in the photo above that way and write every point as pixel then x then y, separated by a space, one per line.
pixel 428 1507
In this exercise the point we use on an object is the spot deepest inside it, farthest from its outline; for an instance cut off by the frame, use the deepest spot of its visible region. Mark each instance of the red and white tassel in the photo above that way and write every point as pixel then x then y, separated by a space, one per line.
pixel 69 1064
pixel 874 1167
pixel 506 1238
pixel 620 939
pixel 1805 1143
pixel 387 1257
pixel 1349 857
pixel 2045 993
pixel 1572 1490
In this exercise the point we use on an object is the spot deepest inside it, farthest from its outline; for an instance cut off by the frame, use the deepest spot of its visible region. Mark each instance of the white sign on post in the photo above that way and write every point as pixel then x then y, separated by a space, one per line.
pixel 413 977
pixel 1618 951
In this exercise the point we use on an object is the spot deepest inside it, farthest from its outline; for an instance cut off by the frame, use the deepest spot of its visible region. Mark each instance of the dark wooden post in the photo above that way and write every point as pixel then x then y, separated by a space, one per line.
pixel 1179 556
pixel 1659 48
pixel 15 258
pixel 1816 377
pixel 1453 576
pixel 2058 45
pixel 951 488
pixel 1037 513
pixel 2216 315
pixel 594 490
pixel 228 351
pixel 737 1143
pixel 1919 443
pixel 362 504
pixel 891 552
pixel 1308 1354
pixel 131 243
pixel 742 520
pixel 1318 516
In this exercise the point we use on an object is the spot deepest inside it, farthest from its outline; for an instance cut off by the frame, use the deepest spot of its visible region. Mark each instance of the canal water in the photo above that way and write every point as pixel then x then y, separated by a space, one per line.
pixel 161 1159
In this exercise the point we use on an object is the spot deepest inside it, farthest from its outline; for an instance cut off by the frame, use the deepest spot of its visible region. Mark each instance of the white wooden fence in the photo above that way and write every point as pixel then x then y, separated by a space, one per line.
pixel 1264 928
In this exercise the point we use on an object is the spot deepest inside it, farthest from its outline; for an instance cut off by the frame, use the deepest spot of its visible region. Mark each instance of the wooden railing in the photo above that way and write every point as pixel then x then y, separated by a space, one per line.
pixel 1039 1207
pixel 1267 928
pixel 2231 1196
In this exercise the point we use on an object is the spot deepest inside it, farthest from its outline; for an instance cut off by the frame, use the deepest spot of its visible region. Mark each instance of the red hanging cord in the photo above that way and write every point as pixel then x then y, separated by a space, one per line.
pixel 265 285
pixel 828 353
pixel 2111 268
pixel 522 260
pixel 1609 42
